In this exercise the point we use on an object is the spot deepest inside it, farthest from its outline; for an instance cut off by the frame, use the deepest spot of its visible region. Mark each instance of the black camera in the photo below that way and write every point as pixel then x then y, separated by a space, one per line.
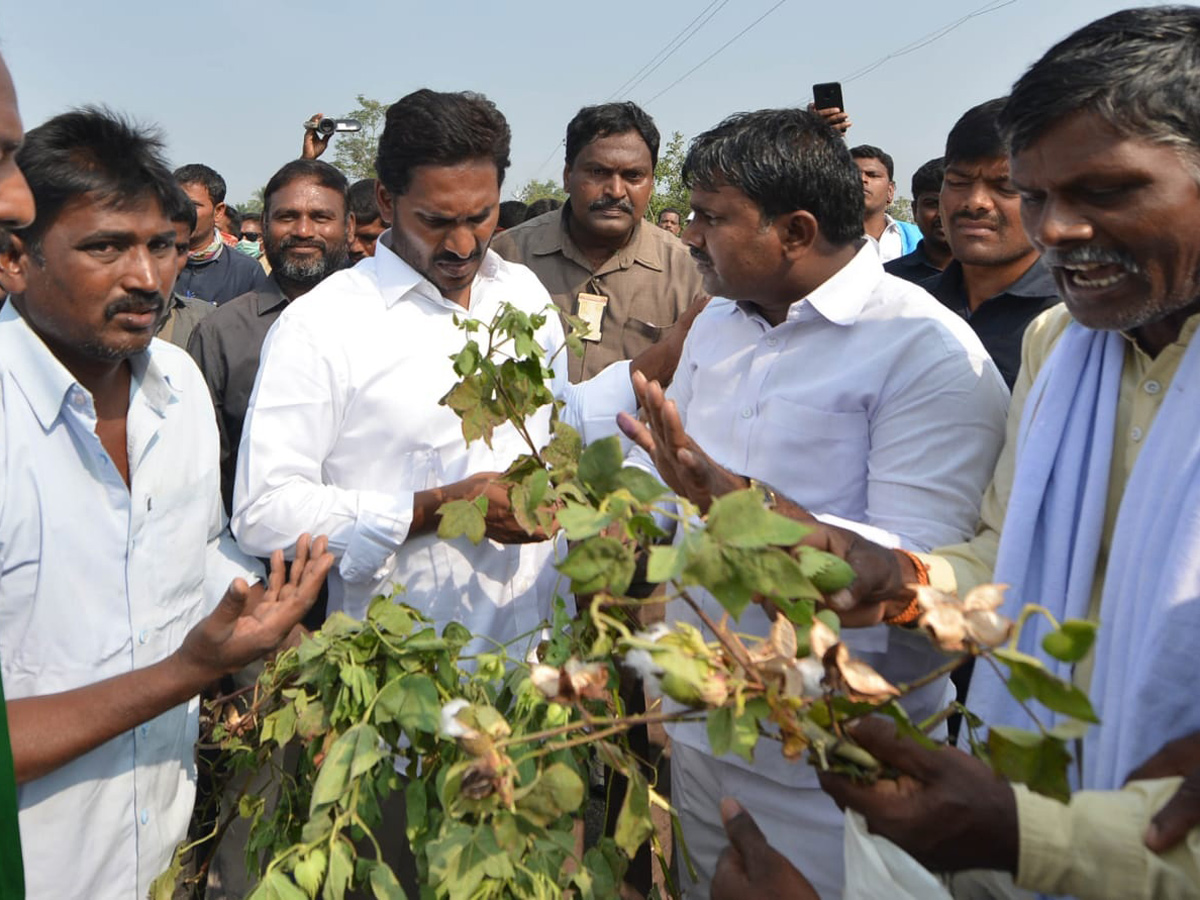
pixel 326 127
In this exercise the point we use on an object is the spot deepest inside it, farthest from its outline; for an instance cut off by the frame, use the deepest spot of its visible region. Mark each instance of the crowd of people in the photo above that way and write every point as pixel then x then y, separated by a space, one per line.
pixel 217 426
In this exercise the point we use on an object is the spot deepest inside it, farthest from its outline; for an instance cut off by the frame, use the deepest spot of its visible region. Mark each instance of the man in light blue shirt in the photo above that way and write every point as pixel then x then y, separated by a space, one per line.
pixel 121 592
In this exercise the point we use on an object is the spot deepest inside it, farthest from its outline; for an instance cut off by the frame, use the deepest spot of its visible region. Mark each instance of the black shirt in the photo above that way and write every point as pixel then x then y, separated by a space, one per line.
pixel 226 347
pixel 229 274
pixel 914 267
pixel 1000 321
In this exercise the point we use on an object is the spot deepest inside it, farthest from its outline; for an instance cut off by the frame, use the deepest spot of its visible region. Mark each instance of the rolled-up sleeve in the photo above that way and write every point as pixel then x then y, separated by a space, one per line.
pixel 1092 848
pixel 291 425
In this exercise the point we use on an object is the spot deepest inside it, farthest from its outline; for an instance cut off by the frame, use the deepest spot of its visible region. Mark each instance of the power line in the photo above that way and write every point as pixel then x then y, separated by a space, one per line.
pixel 926 40
pixel 650 62
pixel 714 53
pixel 676 49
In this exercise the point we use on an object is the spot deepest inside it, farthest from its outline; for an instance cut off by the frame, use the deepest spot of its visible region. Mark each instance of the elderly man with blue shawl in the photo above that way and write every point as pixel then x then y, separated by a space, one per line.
pixel 1094 508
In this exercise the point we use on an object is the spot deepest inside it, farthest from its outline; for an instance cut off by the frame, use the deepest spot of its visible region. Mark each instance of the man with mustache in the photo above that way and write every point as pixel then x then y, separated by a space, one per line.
pixel 307 229
pixel 816 373
pixel 995 281
pixel 1092 507
pixel 598 256
pixel 122 594
pixel 932 253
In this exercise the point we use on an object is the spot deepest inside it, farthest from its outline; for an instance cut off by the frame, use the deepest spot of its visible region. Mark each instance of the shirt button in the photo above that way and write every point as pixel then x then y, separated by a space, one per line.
pixel 145 816
pixel 747 413
pixel 143 636
pixel 1152 387
pixel 145 730
pixel 77 399
pixel 771 342
pixel 1135 433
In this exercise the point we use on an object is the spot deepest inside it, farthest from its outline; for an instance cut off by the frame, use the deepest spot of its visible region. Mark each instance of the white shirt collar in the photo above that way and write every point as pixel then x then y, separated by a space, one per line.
pixel 46 381
pixel 840 299
pixel 396 278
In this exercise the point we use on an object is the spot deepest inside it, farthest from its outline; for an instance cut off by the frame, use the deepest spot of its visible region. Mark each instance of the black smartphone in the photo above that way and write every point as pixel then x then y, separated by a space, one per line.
pixel 828 95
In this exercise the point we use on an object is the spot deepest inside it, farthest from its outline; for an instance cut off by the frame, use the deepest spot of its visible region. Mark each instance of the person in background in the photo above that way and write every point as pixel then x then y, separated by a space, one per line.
pixel 892 237
pixel 214 272
pixel 670 220
pixel 932 253
pixel 512 212
pixel 369 222
pixel 182 314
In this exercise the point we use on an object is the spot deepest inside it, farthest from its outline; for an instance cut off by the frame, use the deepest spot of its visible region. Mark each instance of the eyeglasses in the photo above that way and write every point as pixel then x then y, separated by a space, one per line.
pixel 251 236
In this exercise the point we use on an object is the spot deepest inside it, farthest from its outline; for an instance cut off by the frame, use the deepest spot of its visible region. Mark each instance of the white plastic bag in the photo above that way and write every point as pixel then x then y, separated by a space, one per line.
pixel 876 869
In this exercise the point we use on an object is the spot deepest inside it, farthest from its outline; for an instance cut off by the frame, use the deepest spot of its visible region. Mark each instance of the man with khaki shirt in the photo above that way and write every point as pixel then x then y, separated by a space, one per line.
pixel 597 256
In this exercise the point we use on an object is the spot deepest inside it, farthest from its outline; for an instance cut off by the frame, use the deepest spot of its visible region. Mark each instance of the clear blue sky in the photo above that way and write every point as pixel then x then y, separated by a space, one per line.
pixel 231 83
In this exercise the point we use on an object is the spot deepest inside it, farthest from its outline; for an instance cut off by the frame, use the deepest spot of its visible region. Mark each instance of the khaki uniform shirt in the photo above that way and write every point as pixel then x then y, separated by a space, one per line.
pixel 649 282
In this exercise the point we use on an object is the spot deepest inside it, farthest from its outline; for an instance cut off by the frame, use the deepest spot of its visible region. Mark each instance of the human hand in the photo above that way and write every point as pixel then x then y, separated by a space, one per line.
pixel 314 142
pixel 501 524
pixel 838 118
pixel 659 361
pixel 686 469
pixel 945 808
pixel 750 867
pixel 1182 812
pixel 250 623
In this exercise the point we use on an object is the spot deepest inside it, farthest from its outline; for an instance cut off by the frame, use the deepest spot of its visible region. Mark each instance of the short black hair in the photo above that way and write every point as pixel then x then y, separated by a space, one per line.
pixel 542 206
pixel 783 160
pixel 869 151
pixel 235 219
pixel 249 217
pixel 928 179
pixel 182 210
pixel 198 173
pixel 593 122
pixel 321 172
pixel 512 212
pixel 666 209
pixel 432 128
pixel 1138 70
pixel 362 201
pixel 93 150
pixel 976 135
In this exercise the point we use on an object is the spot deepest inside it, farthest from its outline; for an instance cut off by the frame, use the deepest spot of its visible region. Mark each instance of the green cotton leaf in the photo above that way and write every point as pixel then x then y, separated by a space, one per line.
pixel 558 790
pixel 634 825
pixel 280 726
pixel 732 733
pixel 739 519
pixel 310 871
pixel 1037 761
pixel 333 778
pixel 412 701
pixel 384 884
pixel 463 517
pixel 389 617
pixel 463 857
pixel 527 496
pixel 467 360
pixel 827 572
pixel 708 567
pixel 665 563
pixel 771 572
pixel 277 886
pixel 1031 679
pixel 312 721
pixel 163 887
pixel 416 807
pixel 600 563
pixel 367 752
pixel 1071 642
pixel 581 522
pixel 599 464
pixel 644 486
pixel 341 871
pixel 562 453
pixel 1069 729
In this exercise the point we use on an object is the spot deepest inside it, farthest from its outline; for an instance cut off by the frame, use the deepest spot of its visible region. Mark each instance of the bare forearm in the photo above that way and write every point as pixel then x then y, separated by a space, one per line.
pixel 50 731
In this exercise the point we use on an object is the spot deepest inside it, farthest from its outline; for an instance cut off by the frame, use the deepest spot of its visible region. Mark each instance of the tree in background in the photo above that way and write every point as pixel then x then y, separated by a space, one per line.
pixel 254 204
pixel 354 151
pixel 901 209
pixel 669 189
pixel 537 190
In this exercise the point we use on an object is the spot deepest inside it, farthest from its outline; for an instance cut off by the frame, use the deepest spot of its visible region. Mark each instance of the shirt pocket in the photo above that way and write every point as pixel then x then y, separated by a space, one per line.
pixel 176 537
pixel 822 454
pixel 637 335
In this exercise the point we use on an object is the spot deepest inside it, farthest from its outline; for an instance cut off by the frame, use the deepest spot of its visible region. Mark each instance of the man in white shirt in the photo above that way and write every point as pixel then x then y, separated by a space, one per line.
pixel 892 237
pixel 345 433
pixel 814 371
pixel 121 593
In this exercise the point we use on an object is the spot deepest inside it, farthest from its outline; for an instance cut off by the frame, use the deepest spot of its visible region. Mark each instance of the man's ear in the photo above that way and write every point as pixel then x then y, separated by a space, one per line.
pixel 891 192
pixel 567 178
pixel 351 226
pixel 14 264
pixel 383 201
pixel 798 231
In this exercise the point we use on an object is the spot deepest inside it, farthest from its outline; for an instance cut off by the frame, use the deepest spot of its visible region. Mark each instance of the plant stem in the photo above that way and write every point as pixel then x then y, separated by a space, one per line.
pixel 942 670
pixel 1024 705
pixel 647 718
pixel 736 649
pixel 1029 610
